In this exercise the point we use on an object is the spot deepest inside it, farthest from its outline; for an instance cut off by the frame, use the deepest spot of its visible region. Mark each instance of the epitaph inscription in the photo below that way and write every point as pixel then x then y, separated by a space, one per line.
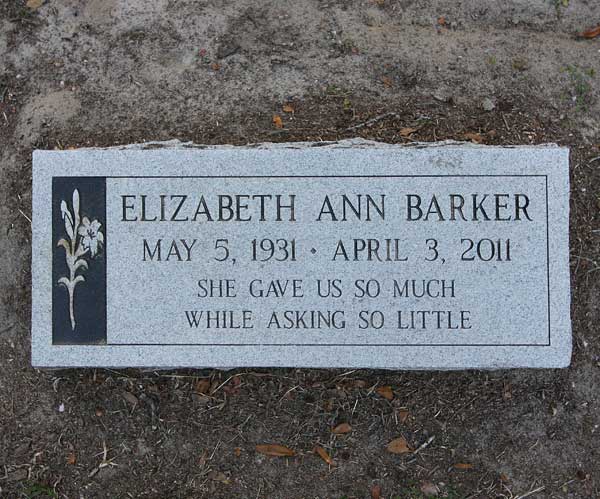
pixel 349 254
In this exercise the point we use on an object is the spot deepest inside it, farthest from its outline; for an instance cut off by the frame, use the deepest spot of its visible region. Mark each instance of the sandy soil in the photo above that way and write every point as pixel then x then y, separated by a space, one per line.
pixel 106 72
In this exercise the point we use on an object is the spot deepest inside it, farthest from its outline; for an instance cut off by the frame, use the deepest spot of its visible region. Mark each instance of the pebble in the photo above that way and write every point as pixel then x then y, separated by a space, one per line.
pixel 488 104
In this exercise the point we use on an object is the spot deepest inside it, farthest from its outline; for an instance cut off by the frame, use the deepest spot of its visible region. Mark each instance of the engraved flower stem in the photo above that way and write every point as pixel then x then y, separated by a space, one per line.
pixel 74 250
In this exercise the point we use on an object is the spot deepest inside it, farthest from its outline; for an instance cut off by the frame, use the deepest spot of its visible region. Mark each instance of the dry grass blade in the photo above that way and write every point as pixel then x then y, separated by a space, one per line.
pixel 275 450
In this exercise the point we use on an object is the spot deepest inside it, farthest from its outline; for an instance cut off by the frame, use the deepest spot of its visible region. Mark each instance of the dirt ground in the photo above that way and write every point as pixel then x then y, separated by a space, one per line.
pixel 106 72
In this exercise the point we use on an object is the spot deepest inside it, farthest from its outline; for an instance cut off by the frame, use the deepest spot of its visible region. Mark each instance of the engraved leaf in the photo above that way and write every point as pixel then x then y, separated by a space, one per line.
pixel 76 208
pixel 398 446
pixel 64 281
pixel 77 279
pixel 275 450
pixel 65 245
pixel 81 263
pixel 66 215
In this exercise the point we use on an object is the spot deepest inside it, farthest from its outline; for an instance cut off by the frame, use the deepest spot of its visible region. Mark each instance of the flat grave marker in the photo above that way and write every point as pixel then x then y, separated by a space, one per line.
pixel 347 254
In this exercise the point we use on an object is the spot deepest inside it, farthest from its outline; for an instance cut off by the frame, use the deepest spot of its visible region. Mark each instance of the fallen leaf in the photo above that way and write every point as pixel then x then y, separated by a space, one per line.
pixel 504 478
pixel 34 4
pixel 323 455
pixel 430 489
pixel 405 132
pixel 386 392
pixel 376 492
pixel 99 412
pixel 275 450
pixel 71 459
pixel 215 66
pixel 237 451
pixel 463 466
pixel 130 398
pixel 287 108
pixel 387 81
pixel 474 137
pixel 341 429
pixel 203 386
pixel 590 33
pixel 441 21
pixel 398 446
pixel 218 476
pixel 277 121
pixel 403 415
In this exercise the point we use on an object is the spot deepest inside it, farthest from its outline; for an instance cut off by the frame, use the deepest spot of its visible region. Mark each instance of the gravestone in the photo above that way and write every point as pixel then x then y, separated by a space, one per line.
pixel 347 254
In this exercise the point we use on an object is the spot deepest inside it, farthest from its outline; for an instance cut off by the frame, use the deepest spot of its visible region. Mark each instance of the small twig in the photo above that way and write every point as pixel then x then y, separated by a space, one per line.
pixel 531 492
pixel 594 159
pixel 424 444
pixel 372 121
pixel 22 213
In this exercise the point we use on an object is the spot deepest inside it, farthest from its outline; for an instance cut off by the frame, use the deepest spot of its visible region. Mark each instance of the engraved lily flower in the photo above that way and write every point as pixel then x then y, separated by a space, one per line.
pixel 83 237
pixel 91 237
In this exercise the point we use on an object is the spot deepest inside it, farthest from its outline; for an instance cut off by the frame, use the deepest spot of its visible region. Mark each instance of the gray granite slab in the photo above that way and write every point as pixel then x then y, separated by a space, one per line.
pixel 347 254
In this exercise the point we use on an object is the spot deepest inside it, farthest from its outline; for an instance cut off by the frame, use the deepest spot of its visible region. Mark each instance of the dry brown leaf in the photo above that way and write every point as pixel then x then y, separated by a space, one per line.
pixel 71 459
pixel 405 132
pixel 287 108
pixel 504 478
pixel 385 392
pixel 387 81
pixel 275 450
pixel 474 137
pixel 342 428
pixel 398 446
pixel 403 415
pixel 463 466
pixel 237 451
pixel 441 21
pixel 130 398
pixel 429 489
pixel 323 455
pixel 203 386
pixel 277 121
pixel 215 66
pixel 34 4
pixel 376 492
pixel 591 33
